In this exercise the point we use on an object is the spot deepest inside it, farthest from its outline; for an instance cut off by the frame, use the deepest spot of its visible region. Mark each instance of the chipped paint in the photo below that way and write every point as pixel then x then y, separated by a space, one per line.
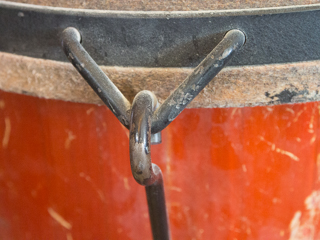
pixel 7 131
pixel 173 188
pixel 88 179
pixel 126 183
pixel 298 115
pixel 244 168
pixel 313 139
pixel 290 110
pixel 289 154
pixel 303 224
pixel 89 111
pixel 310 130
pixel 279 150
pixel 56 216
pixel 69 139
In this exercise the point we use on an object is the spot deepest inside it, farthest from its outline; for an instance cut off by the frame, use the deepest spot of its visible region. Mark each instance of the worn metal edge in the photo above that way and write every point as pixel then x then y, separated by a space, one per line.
pixel 154 41
pixel 232 87
pixel 160 14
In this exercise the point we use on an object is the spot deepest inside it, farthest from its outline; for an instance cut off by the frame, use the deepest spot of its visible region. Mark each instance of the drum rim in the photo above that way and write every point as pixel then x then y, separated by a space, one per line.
pixel 160 14
pixel 162 39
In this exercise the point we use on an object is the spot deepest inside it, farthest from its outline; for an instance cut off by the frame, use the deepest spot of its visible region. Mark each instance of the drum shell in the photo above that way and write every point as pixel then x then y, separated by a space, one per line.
pixel 229 173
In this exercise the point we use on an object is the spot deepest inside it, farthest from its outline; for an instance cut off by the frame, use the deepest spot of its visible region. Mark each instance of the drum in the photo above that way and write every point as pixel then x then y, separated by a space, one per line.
pixel 241 162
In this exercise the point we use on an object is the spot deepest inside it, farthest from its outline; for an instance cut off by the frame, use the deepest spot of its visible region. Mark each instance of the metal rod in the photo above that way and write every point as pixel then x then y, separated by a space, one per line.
pixel 197 80
pixel 98 80
pixel 144 171
pixel 157 209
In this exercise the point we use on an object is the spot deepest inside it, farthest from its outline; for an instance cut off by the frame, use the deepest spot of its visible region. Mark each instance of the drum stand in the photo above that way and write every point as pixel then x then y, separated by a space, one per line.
pixel 145 118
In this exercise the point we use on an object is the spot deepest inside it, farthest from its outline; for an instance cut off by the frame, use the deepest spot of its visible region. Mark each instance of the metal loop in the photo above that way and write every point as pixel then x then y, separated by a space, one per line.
pixel 176 102
pixel 144 171
pixel 143 106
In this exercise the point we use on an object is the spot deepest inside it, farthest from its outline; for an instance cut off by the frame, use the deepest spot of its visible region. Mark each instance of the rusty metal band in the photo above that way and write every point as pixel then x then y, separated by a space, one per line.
pixel 163 39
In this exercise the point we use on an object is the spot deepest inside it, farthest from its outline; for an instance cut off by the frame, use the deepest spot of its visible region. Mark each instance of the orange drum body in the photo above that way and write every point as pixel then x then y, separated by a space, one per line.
pixel 234 173
pixel 229 173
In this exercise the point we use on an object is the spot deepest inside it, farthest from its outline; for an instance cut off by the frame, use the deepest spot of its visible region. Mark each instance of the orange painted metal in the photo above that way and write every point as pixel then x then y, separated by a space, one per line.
pixel 234 173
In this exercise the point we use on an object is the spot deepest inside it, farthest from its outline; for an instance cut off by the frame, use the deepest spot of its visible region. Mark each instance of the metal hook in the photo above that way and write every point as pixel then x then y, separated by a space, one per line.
pixel 144 171
pixel 175 103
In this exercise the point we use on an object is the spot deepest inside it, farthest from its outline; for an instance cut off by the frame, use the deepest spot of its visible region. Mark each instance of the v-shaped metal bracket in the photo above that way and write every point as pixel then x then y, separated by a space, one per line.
pixel 144 117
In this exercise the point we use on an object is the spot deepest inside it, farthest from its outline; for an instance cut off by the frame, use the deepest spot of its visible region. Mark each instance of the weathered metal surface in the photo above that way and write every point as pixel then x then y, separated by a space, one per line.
pixel 201 76
pixel 143 106
pixel 166 5
pixel 143 170
pixel 65 173
pixel 163 39
pixel 232 87
pixel 95 77
pixel 178 99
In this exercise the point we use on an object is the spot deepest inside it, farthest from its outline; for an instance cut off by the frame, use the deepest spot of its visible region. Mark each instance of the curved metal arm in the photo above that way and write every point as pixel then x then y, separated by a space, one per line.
pixel 197 80
pixel 176 102
pixel 144 171
pixel 90 71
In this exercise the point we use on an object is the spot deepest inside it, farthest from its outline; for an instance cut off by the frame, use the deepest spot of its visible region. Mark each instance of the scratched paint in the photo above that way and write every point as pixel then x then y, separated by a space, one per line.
pixel 69 139
pixel 59 219
pixel 234 173
pixel 305 224
pixel 7 131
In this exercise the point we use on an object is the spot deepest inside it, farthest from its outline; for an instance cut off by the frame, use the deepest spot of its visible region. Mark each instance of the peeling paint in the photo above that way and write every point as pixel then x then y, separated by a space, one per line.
pixel 303 224
pixel 173 188
pixel 290 110
pixel 126 183
pixel 279 150
pixel 298 115
pixel 90 110
pixel 289 154
pixel 69 139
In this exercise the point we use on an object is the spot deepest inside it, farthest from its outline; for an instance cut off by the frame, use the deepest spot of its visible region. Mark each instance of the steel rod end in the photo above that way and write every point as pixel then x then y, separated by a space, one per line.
pixel 71 33
pixel 237 35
